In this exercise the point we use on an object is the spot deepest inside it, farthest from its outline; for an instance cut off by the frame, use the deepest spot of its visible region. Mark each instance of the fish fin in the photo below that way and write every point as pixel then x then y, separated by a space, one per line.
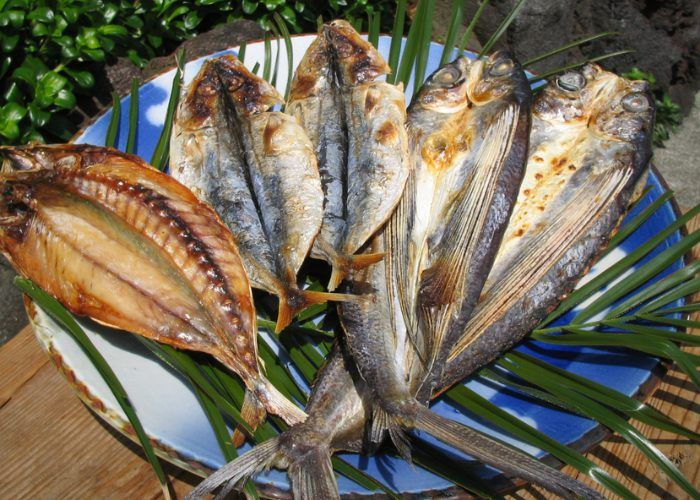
pixel 502 456
pixel 293 301
pixel 277 403
pixel 471 230
pixel 344 265
pixel 383 423
pixel 253 412
pixel 260 458
pixel 312 476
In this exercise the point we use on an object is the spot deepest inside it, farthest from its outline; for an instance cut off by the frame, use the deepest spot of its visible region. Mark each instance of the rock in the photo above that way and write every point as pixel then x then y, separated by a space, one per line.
pixel 11 305
pixel 220 38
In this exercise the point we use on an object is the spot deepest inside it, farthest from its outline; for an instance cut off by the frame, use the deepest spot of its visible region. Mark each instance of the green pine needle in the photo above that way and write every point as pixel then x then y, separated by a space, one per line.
pixel 113 128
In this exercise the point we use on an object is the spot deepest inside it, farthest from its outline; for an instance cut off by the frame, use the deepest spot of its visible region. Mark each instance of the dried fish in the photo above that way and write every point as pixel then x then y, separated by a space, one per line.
pixel 257 169
pixel 114 239
pixel 589 149
pixel 356 126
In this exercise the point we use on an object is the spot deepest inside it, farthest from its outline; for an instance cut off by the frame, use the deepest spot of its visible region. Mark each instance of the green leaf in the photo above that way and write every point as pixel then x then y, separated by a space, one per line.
pixel 396 37
pixel 472 24
pixel 133 116
pixel 570 45
pixel 639 277
pixel 424 45
pixel 161 153
pixel 48 87
pixel 481 407
pixel 65 99
pixel 43 14
pixel 456 21
pixel 38 116
pixel 54 309
pixel 608 418
pixel 113 128
pixel 113 30
pixel 502 27
pixel 282 25
pixel 84 79
pixel 9 42
pixel 249 6
pixel 585 291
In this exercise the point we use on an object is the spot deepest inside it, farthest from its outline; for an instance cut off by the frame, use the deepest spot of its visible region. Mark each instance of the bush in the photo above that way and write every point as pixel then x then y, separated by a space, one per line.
pixel 52 49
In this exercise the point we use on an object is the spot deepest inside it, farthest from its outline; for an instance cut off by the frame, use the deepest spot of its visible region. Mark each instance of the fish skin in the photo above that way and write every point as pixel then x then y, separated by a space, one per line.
pixel 587 157
pixel 258 169
pixel 83 221
pixel 356 127
pixel 468 129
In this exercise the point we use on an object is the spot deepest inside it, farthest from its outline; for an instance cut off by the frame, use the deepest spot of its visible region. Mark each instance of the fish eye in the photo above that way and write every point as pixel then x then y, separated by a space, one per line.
pixel 571 81
pixel 448 75
pixel 635 102
pixel 501 67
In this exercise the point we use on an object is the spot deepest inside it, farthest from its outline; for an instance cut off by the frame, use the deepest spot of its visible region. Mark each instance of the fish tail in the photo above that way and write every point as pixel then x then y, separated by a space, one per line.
pixel 277 403
pixel 236 472
pixel 499 455
pixel 293 301
pixel 343 265
pixel 253 412
pixel 312 475
pixel 382 423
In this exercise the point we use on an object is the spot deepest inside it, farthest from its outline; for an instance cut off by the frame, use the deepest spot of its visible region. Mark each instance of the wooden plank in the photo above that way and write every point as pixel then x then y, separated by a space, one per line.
pixel 51 445
pixel 20 359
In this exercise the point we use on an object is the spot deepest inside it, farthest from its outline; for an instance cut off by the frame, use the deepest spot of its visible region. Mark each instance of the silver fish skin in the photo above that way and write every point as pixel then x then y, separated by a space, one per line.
pixel 356 126
pixel 258 169
pixel 468 130
pixel 589 149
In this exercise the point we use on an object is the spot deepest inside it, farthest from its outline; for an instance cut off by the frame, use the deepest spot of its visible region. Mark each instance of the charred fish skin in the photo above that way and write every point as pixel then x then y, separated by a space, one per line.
pixel 356 126
pixel 258 168
pixel 210 161
pixel 469 129
pixel 590 146
pixel 116 240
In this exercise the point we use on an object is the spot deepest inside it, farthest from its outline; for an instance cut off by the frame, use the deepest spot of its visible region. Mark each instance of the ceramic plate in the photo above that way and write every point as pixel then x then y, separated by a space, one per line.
pixel 169 409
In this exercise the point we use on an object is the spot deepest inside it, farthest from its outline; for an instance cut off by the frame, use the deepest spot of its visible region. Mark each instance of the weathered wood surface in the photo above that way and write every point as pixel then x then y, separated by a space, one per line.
pixel 52 446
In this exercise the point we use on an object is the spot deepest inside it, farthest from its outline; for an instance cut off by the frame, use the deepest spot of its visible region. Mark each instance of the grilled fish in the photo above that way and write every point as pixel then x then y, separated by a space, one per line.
pixel 391 369
pixel 589 148
pixel 356 126
pixel 258 170
pixel 114 239
pixel 468 128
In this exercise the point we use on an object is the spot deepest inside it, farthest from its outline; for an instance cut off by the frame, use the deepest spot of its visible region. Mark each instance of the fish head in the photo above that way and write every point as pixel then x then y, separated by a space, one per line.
pixel 563 98
pixel 356 59
pixel 249 93
pixel 445 91
pixel 17 204
pixel 496 77
pixel 313 72
pixel 50 157
pixel 618 108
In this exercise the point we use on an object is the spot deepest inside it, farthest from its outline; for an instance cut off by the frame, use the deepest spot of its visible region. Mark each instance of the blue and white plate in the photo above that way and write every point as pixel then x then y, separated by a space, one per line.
pixel 171 413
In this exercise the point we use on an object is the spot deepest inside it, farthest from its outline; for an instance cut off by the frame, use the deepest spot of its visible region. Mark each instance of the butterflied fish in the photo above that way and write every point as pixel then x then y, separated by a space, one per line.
pixel 468 128
pixel 357 128
pixel 589 148
pixel 257 168
pixel 116 240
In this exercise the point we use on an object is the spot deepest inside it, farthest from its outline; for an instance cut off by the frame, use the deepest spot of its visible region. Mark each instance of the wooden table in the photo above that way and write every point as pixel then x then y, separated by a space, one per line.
pixel 52 446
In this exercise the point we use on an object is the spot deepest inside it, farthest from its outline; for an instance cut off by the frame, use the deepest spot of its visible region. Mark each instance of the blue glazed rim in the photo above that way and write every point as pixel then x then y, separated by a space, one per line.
pixel 589 438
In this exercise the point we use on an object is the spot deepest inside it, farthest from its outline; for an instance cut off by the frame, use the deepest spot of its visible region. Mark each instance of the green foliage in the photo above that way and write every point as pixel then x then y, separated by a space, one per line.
pixel 668 112
pixel 51 50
